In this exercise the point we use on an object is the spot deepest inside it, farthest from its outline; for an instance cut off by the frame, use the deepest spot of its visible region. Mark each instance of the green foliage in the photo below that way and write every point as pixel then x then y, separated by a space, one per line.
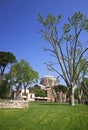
pixel 49 21
pixel 24 74
pixel 60 88
pixel 78 20
pixel 40 93
pixel 32 89
pixel 86 81
pixel 83 66
pixel 76 93
pixel 6 58
pixel 66 28
pixel 4 89
pixel 85 87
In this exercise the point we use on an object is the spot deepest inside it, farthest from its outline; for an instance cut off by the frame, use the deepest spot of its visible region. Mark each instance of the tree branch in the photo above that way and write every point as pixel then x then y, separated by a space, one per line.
pixel 50 65
pixel 80 58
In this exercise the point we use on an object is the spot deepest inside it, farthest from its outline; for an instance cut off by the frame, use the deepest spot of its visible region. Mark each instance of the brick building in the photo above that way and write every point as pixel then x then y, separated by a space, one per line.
pixel 47 84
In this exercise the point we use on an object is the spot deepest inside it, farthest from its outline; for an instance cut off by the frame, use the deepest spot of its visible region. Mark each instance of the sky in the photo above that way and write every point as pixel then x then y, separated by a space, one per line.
pixel 19 27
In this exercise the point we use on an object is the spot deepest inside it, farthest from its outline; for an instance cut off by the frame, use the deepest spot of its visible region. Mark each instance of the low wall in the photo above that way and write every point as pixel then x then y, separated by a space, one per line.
pixel 14 104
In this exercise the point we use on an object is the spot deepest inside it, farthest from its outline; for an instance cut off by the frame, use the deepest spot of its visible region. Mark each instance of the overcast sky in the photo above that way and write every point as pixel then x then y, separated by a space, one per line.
pixel 19 27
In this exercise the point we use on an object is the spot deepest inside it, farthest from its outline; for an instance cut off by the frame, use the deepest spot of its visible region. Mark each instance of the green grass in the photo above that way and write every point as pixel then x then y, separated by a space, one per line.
pixel 45 116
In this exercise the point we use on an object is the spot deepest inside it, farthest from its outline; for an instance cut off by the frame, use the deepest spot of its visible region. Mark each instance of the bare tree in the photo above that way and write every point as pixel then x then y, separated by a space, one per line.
pixel 65 47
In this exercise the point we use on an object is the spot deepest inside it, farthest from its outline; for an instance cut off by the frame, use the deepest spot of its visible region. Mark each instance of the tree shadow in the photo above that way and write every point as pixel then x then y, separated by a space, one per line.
pixel 53 104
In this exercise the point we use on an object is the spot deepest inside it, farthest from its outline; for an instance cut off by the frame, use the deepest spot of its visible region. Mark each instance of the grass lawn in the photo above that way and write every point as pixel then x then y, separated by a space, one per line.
pixel 45 116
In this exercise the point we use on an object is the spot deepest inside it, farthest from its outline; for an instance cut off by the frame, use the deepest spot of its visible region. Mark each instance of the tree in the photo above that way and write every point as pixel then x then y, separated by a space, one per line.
pixel 4 89
pixel 5 59
pixel 65 47
pixel 38 91
pixel 9 77
pixel 23 74
pixel 81 80
pixel 84 87
pixel 59 88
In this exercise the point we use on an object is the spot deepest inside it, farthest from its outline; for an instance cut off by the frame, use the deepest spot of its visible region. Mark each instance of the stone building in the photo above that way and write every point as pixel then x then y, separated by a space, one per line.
pixel 48 81
pixel 47 84
pixel 29 95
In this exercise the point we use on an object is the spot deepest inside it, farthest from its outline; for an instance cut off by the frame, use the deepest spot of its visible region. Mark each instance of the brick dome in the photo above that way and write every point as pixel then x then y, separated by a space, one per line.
pixel 48 80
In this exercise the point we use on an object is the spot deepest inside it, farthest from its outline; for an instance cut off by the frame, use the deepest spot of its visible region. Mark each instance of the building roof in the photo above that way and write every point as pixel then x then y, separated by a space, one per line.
pixel 48 76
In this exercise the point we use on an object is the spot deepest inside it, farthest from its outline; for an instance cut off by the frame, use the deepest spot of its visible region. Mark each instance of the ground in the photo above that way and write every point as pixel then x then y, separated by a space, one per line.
pixel 45 116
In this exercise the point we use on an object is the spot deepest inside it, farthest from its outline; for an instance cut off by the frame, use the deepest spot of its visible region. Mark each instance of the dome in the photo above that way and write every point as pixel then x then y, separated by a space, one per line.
pixel 48 76
pixel 48 80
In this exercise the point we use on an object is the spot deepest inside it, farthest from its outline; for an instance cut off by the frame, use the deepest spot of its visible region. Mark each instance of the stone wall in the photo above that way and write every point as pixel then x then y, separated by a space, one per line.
pixel 14 104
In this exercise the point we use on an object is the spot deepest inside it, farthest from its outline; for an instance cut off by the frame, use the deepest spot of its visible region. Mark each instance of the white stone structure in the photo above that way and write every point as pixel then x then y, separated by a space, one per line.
pixel 14 104
pixel 29 96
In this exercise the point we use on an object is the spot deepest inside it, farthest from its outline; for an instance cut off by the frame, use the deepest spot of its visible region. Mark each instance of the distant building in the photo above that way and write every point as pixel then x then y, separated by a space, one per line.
pixel 47 83
pixel 29 95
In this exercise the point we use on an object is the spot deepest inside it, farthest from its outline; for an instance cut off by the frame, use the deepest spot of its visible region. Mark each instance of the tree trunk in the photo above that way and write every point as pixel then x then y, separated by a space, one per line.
pixel 1 78
pixel 71 96
pixel 10 90
pixel 25 91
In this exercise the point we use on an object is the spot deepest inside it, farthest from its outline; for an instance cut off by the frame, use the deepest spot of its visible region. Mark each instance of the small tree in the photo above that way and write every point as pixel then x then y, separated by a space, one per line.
pixel 82 72
pixel 65 46
pixel 84 88
pixel 59 88
pixel 40 93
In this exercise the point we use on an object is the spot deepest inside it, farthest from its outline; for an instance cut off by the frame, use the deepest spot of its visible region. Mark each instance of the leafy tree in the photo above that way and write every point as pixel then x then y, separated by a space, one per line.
pixel 32 89
pixel 81 80
pixel 38 91
pixel 59 88
pixel 81 93
pixel 76 93
pixel 66 47
pixel 5 59
pixel 84 87
pixel 23 74
pixel 4 89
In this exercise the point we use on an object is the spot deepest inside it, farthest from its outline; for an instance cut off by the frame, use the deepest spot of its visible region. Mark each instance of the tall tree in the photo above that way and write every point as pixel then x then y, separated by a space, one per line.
pixel 5 59
pixel 65 46
pixel 23 74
